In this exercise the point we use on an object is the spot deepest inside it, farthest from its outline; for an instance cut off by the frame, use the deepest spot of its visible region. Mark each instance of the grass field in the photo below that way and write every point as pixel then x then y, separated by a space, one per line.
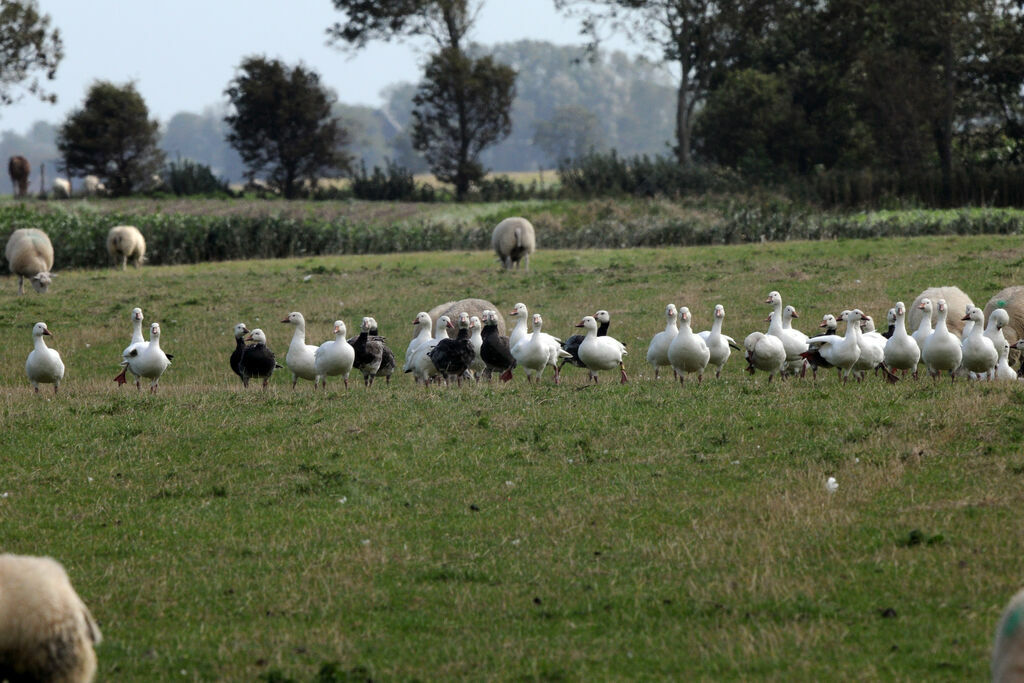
pixel 511 531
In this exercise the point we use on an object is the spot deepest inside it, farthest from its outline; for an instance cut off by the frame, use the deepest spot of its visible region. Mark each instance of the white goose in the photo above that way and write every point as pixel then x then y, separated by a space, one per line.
pixel 137 342
pixel 718 343
pixel 476 340
pixel 1003 369
pixel 149 362
pixel 44 365
pixel 688 352
pixel 539 350
pixel 941 350
pixel 334 358
pixel 423 325
pixel 924 328
pixel 901 351
pixel 997 320
pixel 423 369
pixel 872 350
pixel 765 352
pixel 841 352
pixel 301 357
pixel 795 344
pixel 979 355
pixel 600 353
pixel 657 352
pixel 518 332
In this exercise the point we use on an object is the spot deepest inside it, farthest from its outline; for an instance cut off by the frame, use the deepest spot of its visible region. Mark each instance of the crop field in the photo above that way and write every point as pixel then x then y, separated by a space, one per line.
pixel 514 531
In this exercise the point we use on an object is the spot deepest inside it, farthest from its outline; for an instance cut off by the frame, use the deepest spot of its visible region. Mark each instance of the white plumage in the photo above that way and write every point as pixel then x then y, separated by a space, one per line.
pixel 333 358
pixel 765 352
pixel 941 352
pixel 44 365
pixel 979 354
pixel 539 350
pixel 423 328
pixel 600 353
pixel 688 352
pixel 841 352
pixel 718 343
pixel 657 352
pixel 149 362
pixel 794 341
pixel 901 351
pixel 301 357
pixel 520 313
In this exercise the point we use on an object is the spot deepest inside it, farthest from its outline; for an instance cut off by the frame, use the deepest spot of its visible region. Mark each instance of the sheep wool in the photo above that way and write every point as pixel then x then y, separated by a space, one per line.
pixel 46 631
pixel 1008 651
pixel 956 306
pixel 469 306
pixel 1012 300
pixel 125 243
pixel 61 188
pixel 30 255
pixel 514 240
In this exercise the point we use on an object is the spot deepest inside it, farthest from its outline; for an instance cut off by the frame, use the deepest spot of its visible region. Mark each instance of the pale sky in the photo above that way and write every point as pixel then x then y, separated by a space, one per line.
pixel 182 54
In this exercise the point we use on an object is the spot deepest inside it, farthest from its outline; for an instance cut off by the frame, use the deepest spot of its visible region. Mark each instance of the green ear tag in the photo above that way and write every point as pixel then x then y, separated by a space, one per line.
pixel 1012 622
pixel 1001 303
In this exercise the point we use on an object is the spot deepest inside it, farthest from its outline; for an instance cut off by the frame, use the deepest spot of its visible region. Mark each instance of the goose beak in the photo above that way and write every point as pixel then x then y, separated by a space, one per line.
pixel 579 324
pixel 449 325
pixel 47 332
pixel 795 315
pixel 286 320
pixel 513 312
pixel 966 317
pixel 768 319
pixel 245 329
pixel 823 324
pixel 768 300
pixel 921 306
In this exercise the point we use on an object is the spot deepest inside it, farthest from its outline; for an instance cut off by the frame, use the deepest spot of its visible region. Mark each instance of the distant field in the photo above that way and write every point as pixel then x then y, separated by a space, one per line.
pixel 509 531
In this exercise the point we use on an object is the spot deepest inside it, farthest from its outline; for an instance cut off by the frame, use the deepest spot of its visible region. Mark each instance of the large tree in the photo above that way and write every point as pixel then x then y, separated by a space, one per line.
pixel 28 48
pixel 462 107
pixel 282 124
pixel 686 33
pixel 112 137
pixel 463 104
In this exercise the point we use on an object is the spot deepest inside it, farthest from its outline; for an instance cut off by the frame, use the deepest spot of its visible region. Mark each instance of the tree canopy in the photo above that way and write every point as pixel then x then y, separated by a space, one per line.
pixel 112 137
pixel 282 124
pixel 29 48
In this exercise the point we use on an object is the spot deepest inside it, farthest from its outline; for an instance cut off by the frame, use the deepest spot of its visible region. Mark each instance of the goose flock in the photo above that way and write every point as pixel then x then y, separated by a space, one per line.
pixel 478 350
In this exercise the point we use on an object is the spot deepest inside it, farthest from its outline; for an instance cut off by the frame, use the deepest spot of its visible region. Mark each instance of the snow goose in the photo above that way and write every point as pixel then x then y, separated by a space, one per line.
pixel 423 368
pixel 765 352
pixel 149 362
pixel 300 359
pixel 979 355
pixel 333 358
pixel 476 340
pixel 538 350
pixel 424 329
pixel 257 359
pixel 997 320
pixel 688 352
pixel 1003 369
pixel 901 351
pixel 794 341
pixel 941 350
pixel 387 356
pixel 452 357
pixel 719 344
pixel 872 351
pixel 924 328
pixel 890 320
pixel 138 341
pixel 841 352
pixel 657 352
pixel 44 365
pixel 601 353
pixel 814 359
pixel 494 350
pixel 519 331
pixel 572 344
pixel 240 331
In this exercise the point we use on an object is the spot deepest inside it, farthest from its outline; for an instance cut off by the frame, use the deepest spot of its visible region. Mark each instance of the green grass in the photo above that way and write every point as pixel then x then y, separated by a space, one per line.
pixel 512 531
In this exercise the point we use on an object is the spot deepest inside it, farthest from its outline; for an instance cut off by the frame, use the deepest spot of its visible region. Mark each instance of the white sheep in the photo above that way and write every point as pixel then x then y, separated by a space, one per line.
pixel 124 243
pixel 61 188
pixel 471 307
pixel 30 255
pixel 92 186
pixel 46 631
pixel 956 306
pixel 514 240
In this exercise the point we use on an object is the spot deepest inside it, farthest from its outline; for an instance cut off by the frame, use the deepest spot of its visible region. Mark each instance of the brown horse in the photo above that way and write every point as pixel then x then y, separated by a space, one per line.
pixel 19 169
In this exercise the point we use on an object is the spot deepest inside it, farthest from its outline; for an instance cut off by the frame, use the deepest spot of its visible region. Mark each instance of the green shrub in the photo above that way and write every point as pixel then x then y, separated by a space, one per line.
pixel 609 175
pixel 188 178
pixel 392 183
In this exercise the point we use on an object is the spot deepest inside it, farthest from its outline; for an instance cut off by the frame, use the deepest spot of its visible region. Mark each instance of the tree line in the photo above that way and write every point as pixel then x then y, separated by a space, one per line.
pixel 774 90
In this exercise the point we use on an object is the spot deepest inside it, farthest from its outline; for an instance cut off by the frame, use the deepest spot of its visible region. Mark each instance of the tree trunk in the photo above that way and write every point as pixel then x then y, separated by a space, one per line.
pixel 944 129
pixel 683 117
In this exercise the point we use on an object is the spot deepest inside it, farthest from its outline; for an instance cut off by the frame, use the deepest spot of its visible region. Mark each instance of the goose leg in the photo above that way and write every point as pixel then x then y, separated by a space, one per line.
pixel 624 379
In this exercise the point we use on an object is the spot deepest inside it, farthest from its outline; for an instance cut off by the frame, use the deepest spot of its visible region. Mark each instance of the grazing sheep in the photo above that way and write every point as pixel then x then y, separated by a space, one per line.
pixel 92 186
pixel 956 308
pixel 514 240
pixel 19 169
pixel 30 255
pixel 46 631
pixel 1008 651
pixel 61 188
pixel 1012 300
pixel 471 307
pixel 124 243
